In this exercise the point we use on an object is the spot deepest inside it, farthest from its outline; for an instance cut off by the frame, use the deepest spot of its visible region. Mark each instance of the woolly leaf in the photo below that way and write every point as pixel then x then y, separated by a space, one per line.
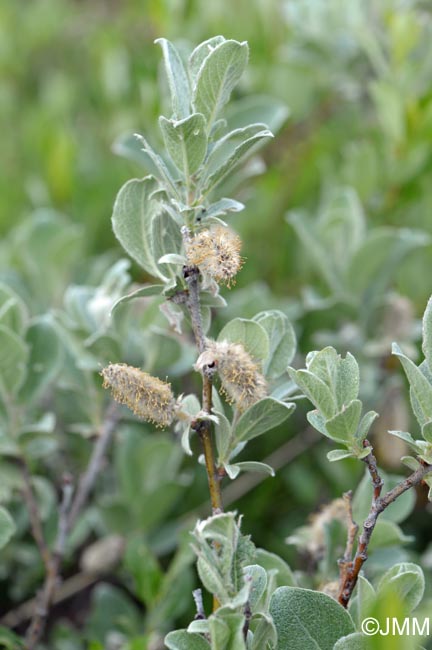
pixel 305 619
pixel 343 426
pixel 282 341
pixel 184 640
pixel 407 580
pixel 260 417
pixel 420 386
pixel 186 142
pixel 251 335
pixel 177 79
pixel 352 642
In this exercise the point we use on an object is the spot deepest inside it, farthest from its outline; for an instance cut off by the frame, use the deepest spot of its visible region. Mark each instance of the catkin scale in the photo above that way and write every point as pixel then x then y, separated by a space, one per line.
pixel 241 379
pixel 148 397
pixel 216 251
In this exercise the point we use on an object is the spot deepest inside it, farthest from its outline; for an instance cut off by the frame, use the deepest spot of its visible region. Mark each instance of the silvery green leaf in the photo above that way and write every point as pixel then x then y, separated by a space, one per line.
pixel 315 390
pixel 338 454
pixel 262 416
pixel 226 631
pixel 45 358
pixel 250 334
pixel 318 422
pixel 365 424
pixel 405 579
pixel 343 425
pixel 174 315
pixel 427 334
pixel 264 632
pixel 166 239
pixel 177 79
pixel 142 292
pixel 306 619
pixel 132 217
pixel 183 640
pixel 353 641
pixel 218 74
pixel 208 299
pixel 347 381
pixel 256 577
pixel 406 437
pixel 254 466
pixel 411 462
pixel 212 579
pixel 13 361
pixel 222 433
pixel 221 207
pixel 186 142
pixel 199 626
pixel 201 52
pixel 240 153
pixel 421 388
pixel 221 150
pixel 387 533
pixel 232 470
pixel 366 597
pixel 7 527
pixel 191 406
pixel 172 258
pixel 282 341
pixel 162 173
pixel 129 146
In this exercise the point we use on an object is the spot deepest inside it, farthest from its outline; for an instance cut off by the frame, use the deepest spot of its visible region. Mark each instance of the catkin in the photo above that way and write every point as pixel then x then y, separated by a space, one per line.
pixel 216 251
pixel 241 379
pixel 148 397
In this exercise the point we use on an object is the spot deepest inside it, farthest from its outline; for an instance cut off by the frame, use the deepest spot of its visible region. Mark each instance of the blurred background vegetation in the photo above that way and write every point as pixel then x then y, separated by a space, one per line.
pixel 336 233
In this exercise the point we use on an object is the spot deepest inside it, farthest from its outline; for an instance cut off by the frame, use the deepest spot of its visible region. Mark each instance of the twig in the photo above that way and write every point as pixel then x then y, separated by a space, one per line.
pixel 68 513
pixel 379 504
pixel 345 562
pixel 34 513
pixel 203 427
pixel 200 613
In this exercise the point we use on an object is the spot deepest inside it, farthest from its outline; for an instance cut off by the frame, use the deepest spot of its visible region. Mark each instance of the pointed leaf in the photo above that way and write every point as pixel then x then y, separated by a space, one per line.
pixel 201 52
pixel 177 79
pixel 338 454
pixel 218 75
pixel 186 142
pixel 266 414
pixel 420 386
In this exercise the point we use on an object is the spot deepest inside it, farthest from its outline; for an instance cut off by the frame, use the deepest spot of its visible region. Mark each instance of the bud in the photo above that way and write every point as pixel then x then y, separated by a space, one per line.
pixel 148 397
pixel 242 381
pixel 216 252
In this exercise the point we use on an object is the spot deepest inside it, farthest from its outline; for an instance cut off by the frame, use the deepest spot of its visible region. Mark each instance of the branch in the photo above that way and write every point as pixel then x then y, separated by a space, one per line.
pixel 203 427
pixel 68 513
pixel 349 575
pixel 34 513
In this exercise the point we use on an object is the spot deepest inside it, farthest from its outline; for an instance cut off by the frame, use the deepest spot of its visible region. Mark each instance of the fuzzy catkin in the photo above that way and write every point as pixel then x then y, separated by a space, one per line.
pixel 242 381
pixel 216 251
pixel 148 397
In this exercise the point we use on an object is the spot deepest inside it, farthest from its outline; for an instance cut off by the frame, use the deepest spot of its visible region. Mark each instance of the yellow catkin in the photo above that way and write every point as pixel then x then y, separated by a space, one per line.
pixel 148 397
pixel 242 381
pixel 216 251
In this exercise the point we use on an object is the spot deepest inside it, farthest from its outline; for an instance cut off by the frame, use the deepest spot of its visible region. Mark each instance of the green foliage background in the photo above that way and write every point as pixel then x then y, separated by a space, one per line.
pixel 354 155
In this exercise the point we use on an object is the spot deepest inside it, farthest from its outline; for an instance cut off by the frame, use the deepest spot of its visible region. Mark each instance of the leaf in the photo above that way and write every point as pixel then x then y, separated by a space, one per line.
pixel 264 632
pixel 338 454
pixel 365 424
pixel 251 335
pixel 226 630
pixel 282 341
pixel 7 527
pixel 186 142
pixel 308 619
pixel 13 358
pixel 129 146
pixel 222 207
pixel 222 431
pixel 343 426
pixel 45 358
pixel 420 387
pixel 177 79
pixel 275 565
pixel 184 640
pixel 162 173
pixel 315 390
pixel 427 334
pixel 218 75
pixel 142 292
pixel 352 642
pixel 254 466
pixel 132 217
pixel 407 580
pixel 166 239
pixel 239 154
pixel 262 416
pixel 201 52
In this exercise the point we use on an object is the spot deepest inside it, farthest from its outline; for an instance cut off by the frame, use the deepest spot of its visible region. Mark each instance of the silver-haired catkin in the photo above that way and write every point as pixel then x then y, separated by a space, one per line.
pixel 242 381
pixel 148 397
pixel 216 251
